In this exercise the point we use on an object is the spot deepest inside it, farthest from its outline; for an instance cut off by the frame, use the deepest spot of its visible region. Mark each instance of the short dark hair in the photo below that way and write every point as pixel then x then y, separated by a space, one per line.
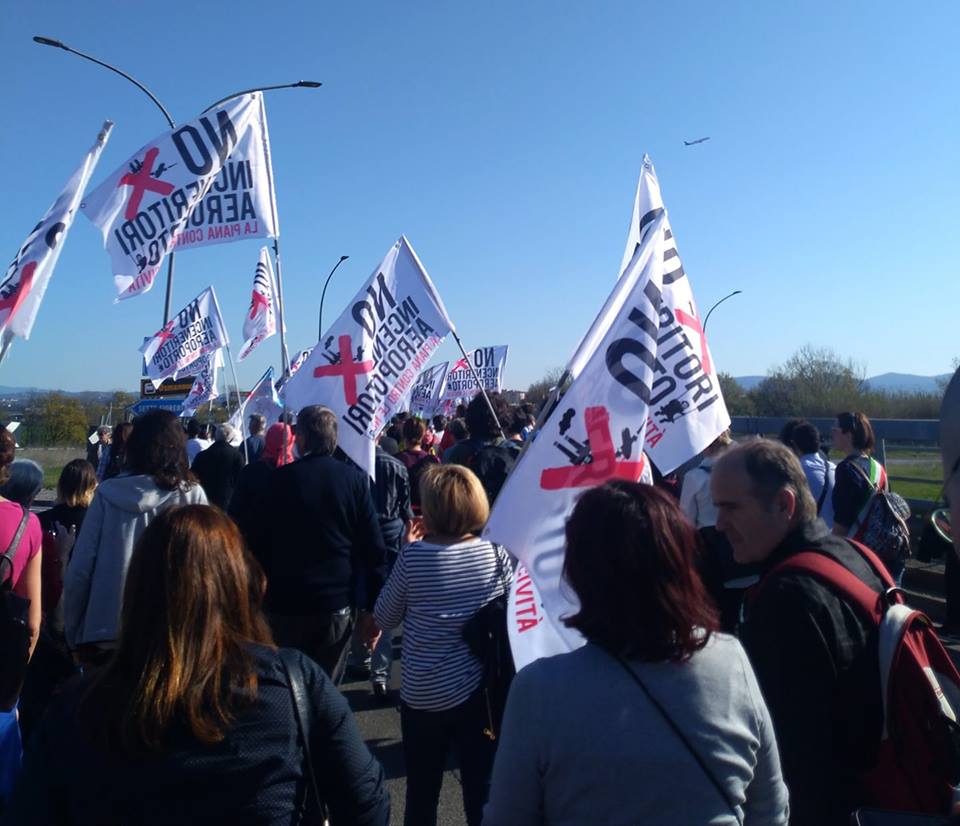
pixel 517 422
pixel 318 427
pixel 786 432
pixel 257 423
pixel 158 448
pixel 439 422
pixel 413 430
pixel 859 425
pixel 458 429
pixel 806 438
pixel 193 428
pixel 480 421
pixel 632 559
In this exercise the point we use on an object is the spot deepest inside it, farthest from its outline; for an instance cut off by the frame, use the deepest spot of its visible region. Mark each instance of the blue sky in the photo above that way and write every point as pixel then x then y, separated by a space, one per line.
pixel 504 139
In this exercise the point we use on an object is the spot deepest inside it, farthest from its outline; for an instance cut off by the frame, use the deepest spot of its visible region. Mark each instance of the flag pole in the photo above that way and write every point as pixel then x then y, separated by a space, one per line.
pixel 284 354
pixel 236 387
pixel 476 378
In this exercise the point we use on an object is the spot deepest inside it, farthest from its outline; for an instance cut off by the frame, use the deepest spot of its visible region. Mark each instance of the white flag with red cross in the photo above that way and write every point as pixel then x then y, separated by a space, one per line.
pixel 487 363
pixel 260 321
pixel 25 282
pixel 204 387
pixel 208 181
pixel 617 407
pixel 371 355
pixel 195 331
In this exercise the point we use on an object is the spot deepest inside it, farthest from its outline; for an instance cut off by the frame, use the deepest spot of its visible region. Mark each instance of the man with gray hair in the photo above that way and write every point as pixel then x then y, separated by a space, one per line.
pixel 815 657
pixel 255 441
pixel 219 466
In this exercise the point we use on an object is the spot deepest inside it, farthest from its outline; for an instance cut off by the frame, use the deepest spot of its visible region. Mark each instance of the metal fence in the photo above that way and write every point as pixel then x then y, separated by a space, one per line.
pixel 916 435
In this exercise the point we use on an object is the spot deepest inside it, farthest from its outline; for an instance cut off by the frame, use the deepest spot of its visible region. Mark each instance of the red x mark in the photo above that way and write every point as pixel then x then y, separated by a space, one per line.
pixel 142 181
pixel 165 333
pixel 693 322
pixel 256 301
pixel 13 301
pixel 604 465
pixel 461 365
pixel 348 368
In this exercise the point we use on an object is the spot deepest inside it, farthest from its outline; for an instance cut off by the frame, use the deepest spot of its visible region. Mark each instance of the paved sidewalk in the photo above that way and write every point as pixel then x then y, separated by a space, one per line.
pixel 379 723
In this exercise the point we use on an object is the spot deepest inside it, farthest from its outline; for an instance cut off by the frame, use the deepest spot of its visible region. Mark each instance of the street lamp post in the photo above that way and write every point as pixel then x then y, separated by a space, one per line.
pixel 731 295
pixel 324 294
pixel 58 44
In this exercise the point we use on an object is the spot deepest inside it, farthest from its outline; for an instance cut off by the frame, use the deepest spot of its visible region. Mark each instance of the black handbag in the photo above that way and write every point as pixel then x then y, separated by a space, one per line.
pixel 313 811
pixel 14 625
pixel 485 634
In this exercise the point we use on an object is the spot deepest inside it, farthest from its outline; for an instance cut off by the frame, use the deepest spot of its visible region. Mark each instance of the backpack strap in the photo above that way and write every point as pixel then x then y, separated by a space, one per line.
pixel 11 552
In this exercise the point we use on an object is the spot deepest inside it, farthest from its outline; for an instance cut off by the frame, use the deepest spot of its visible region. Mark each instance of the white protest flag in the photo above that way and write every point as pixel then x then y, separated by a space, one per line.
pixel 262 400
pixel 364 364
pixel 260 322
pixel 641 387
pixel 156 200
pixel 461 384
pixel 204 387
pixel 26 279
pixel 196 330
pixel 424 396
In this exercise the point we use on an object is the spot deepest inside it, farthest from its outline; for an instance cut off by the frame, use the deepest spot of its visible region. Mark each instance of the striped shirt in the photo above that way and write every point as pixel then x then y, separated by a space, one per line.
pixel 433 590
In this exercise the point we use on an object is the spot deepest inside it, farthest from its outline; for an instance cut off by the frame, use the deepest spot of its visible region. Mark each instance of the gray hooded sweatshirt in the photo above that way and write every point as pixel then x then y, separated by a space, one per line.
pixel 93 587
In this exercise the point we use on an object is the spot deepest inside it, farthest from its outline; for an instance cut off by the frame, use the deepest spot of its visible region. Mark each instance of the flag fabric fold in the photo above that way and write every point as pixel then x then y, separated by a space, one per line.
pixel 423 399
pixel 195 331
pixel 204 387
pixel 207 181
pixel 28 276
pixel 260 321
pixel 371 355
pixel 262 400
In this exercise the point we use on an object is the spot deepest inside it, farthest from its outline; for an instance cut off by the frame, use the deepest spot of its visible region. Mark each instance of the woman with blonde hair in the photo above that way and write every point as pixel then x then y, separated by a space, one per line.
pixel 193 719
pixel 438 583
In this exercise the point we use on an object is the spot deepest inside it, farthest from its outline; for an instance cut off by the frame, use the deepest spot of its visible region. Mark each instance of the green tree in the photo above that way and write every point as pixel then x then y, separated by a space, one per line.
pixel 537 392
pixel 62 420
pixel 739 402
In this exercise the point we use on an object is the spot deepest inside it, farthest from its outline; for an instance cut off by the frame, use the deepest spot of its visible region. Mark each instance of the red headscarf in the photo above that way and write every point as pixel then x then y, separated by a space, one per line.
pixel 273 453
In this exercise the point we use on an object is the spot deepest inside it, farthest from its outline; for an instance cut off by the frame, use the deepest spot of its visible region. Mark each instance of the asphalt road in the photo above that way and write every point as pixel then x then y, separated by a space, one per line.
pixel 379 723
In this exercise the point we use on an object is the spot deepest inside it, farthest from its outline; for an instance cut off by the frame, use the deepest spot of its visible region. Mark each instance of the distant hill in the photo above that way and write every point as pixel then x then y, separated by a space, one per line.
pixel 890 382
pixel 7 392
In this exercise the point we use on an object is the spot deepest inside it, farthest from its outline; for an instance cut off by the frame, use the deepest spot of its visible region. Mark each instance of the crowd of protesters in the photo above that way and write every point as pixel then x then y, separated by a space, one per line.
pixel 194 604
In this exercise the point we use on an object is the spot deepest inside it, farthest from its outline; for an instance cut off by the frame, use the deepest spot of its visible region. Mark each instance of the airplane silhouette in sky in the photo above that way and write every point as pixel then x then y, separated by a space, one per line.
pixel 698 140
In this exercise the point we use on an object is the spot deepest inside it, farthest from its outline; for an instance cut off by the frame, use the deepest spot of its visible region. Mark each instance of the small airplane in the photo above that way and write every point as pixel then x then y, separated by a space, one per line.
pixel 698 140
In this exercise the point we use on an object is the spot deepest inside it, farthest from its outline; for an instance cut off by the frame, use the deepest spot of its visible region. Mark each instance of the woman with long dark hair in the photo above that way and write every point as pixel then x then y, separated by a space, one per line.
pixel 658 718
pixel 192 720
pixel 157 478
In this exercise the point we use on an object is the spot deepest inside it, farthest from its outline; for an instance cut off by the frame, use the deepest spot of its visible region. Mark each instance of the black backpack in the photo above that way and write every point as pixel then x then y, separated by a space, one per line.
pixel 493 463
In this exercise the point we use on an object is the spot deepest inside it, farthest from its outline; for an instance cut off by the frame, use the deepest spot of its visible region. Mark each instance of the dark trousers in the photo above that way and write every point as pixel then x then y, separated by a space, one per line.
pixel 324 637
pixel 427 738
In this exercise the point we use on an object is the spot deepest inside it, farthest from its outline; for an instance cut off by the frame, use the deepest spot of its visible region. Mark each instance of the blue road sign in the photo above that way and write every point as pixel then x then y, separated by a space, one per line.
pixel 142 406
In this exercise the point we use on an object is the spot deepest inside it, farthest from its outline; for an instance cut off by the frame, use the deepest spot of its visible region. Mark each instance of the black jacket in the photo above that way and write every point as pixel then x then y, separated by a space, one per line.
pixel 391 497
pixel 218 469
pixel 317 533
pixel 254 775
pixel 250 498
pixel 816 661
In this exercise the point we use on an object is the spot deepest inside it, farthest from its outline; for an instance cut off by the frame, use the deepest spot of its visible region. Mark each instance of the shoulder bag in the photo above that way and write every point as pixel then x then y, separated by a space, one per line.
pixel 681 737
pixel 486 635
pixel 314 812
pixel 14 625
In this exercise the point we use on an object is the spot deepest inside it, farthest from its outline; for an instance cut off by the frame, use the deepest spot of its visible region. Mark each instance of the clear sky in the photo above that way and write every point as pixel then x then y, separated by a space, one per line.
pixel 504 139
